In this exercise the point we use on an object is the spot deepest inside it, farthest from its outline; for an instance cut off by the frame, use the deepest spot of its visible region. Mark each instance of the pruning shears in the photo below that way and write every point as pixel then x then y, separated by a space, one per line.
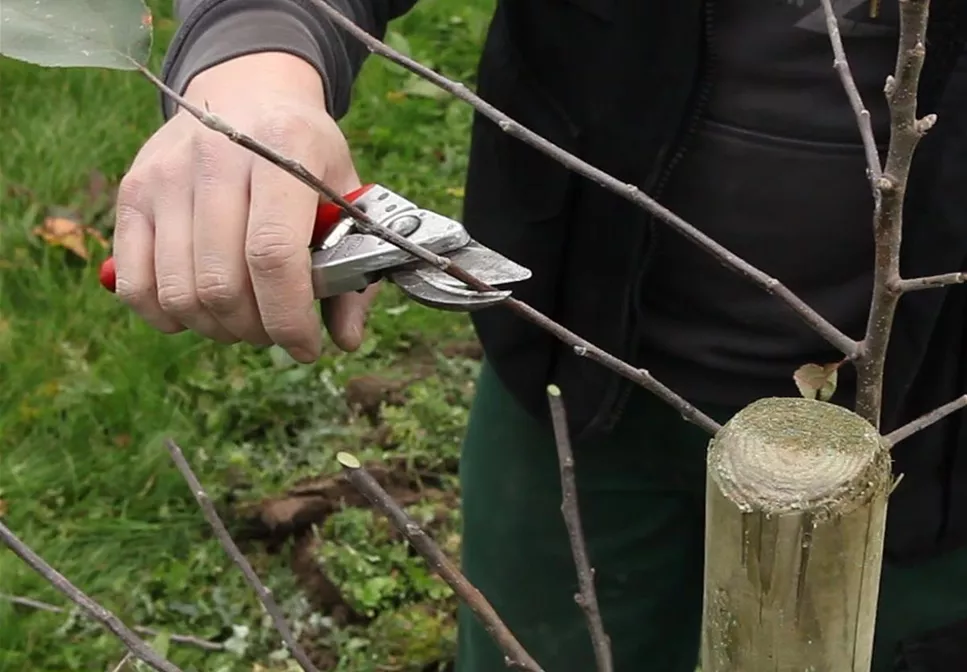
pixel 344 259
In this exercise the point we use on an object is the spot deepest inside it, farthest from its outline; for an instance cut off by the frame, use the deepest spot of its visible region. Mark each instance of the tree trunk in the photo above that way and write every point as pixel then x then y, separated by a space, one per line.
pixel 796 513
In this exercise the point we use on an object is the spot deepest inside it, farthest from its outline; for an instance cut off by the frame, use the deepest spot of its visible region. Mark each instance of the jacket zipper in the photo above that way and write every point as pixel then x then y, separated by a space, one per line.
pixel 613 411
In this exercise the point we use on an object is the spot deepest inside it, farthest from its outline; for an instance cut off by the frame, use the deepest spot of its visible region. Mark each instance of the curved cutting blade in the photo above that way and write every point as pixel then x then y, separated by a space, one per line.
pixel 432 287
pixel 429 293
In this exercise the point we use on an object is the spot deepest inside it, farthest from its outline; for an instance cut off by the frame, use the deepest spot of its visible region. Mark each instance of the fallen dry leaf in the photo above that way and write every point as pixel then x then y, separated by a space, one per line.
pixel 66 233
pixel 3 508
pixel 817 382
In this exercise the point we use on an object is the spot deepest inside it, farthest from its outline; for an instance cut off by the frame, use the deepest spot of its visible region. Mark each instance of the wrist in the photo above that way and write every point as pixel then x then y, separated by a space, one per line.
pixel 267 71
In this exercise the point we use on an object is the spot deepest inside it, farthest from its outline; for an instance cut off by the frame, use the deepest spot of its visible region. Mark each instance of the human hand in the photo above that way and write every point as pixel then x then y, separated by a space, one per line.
pixel 215 239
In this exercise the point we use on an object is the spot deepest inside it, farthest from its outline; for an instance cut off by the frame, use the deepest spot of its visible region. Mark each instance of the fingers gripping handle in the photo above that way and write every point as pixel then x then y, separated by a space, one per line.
pixel 328 215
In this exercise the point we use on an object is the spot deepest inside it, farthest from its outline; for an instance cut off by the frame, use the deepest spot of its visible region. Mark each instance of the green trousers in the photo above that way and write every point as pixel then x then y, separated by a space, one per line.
pixel 641 493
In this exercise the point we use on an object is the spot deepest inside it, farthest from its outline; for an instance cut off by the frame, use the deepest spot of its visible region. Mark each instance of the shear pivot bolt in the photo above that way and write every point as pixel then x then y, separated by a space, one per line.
pixel 405 225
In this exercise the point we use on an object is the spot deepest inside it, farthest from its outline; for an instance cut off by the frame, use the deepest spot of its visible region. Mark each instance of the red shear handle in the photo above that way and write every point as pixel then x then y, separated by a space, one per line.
pixel 107 275
pixel 328 215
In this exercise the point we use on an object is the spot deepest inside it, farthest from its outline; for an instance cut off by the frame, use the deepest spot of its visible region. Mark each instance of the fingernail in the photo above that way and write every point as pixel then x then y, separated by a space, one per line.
pixel 303 355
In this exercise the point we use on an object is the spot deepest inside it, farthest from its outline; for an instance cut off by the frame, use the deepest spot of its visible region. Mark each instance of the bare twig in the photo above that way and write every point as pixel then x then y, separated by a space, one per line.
pixel 122 662
pixel 640 376
pixel 821 325
pixel 368 225
pixel 889 191
pixel 515 656
pixel 924 421
pixel 587 598
pixel 137 646
pixel 188 640
pixel 906 130
pixel 931 282
pixel 225 539
pixel 896 483
pixel 873 164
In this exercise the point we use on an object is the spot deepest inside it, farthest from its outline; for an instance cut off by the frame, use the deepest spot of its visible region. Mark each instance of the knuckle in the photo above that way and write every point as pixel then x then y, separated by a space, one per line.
pixel 271 247
pixel 126 217
pixel 175 298
pixel 282 129
pixel 134 294
pixel 169 170
pixel 131 192
pixel 216 292
pixel 210 151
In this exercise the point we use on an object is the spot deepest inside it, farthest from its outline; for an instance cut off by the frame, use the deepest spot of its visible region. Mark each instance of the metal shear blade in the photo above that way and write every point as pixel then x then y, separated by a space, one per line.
pixel 358 259
pixel 428 285
pixel 347 260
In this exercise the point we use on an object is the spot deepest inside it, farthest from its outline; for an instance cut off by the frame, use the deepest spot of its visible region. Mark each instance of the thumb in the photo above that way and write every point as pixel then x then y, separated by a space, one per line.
pixel 345 317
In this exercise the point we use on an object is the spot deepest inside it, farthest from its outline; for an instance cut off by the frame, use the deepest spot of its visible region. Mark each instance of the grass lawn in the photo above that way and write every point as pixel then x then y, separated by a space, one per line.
pixel 87 392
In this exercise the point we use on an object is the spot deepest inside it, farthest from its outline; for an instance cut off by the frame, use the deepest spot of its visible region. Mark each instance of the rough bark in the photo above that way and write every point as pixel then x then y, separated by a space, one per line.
pixel 796 513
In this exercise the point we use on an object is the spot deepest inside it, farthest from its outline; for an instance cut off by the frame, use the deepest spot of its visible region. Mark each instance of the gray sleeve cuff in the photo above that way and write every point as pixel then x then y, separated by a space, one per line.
pixel 219 30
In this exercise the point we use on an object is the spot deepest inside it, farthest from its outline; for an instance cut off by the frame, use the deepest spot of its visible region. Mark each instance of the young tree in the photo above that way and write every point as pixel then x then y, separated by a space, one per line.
pixel 798 487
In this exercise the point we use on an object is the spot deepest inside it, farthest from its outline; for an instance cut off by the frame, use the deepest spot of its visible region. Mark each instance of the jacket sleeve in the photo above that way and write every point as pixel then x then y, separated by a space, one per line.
pixel 214 31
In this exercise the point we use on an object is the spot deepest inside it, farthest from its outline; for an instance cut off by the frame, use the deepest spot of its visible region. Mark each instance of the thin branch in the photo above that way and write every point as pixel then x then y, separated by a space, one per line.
pixel 137 646
pixel 515 656
pixel 905 134
pixel 896 484
pixel 821 325
pixel 122 663
pixel 924 421
pixel 931 282
pixel 642 377
pixel 587 598
pixel 263 593
pixel 368 225
pixel 188 640
pixel 873 163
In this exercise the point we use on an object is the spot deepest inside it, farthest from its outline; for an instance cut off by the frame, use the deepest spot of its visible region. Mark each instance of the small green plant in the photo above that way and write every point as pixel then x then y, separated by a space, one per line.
pixel 377 570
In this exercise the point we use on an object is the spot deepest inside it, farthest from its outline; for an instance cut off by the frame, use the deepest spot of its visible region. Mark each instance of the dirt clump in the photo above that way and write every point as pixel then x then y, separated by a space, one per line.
pixel 466 349
pixel 366 394
pixel 324 596
pixel 310 501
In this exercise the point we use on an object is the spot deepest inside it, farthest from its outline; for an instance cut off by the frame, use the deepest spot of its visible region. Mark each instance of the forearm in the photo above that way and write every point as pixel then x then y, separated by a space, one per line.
pixel 214 31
